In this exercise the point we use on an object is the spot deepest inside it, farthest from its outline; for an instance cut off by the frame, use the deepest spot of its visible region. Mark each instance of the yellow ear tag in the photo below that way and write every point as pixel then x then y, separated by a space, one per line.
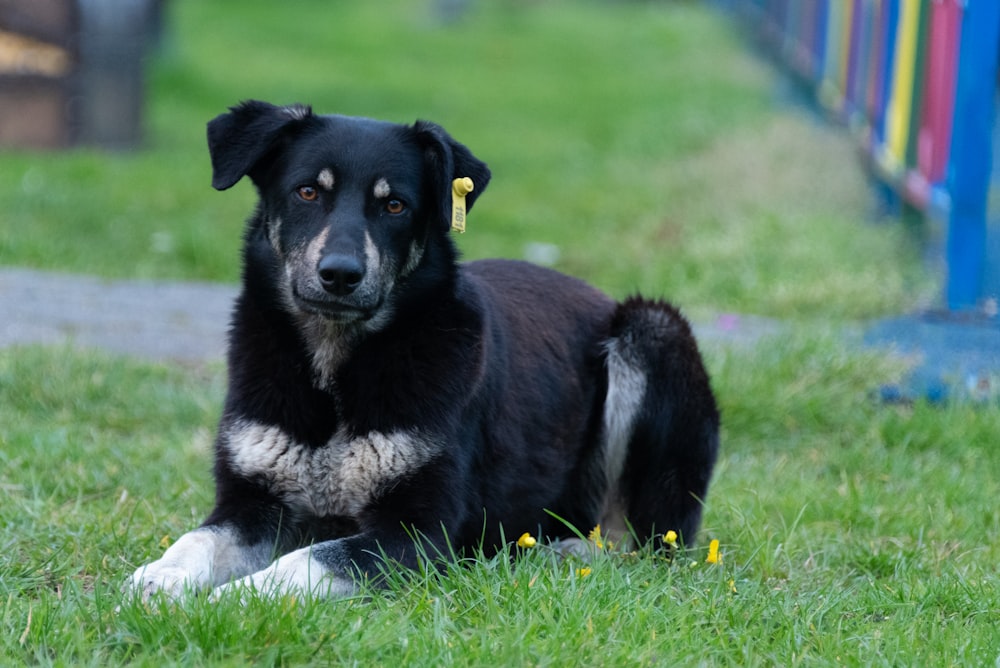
pixel 459 189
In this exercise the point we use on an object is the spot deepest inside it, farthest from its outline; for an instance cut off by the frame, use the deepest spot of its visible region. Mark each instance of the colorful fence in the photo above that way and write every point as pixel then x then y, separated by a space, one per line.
pixel 916 79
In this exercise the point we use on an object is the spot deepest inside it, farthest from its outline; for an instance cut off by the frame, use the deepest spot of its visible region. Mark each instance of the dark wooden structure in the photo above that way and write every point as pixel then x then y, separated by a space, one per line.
pixel 72 71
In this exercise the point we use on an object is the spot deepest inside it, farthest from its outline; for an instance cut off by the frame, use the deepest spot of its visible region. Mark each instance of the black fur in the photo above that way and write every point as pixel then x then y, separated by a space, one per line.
pixel 491 378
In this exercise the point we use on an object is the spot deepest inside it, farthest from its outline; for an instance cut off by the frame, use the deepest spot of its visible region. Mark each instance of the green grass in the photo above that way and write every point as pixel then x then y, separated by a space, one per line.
pixel 852 534
pixel 644 142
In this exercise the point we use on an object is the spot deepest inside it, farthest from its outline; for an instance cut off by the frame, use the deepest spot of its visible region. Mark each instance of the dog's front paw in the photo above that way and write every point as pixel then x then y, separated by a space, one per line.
pixel 185 566
pixel 159 577
pixel 296 573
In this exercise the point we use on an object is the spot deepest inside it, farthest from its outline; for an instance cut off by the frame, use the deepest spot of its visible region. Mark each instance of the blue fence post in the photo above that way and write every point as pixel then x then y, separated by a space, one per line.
pixel 968 175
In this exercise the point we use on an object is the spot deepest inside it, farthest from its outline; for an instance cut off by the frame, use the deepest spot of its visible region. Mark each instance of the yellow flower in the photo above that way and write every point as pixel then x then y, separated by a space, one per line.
pixel 583 572
pixel 595 537
pixel 526 540
pixel 713 552
pixel 670 538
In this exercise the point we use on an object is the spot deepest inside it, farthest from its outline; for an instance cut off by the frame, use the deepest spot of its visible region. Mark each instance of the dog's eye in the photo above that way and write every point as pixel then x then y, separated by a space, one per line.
pixel 394 206
pixel 308 193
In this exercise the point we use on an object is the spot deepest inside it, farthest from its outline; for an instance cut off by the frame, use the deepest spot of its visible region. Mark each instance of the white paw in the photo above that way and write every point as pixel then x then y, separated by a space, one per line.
pixel 157 576
pixel 185 566
pixel 295 573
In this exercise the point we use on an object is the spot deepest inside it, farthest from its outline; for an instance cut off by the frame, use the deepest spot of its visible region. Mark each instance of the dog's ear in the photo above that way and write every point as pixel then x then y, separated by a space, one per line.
pixel 445 160
pixel 239 139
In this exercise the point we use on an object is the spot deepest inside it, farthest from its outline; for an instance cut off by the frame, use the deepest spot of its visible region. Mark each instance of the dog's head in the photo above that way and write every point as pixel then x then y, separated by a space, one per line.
pixel 348 205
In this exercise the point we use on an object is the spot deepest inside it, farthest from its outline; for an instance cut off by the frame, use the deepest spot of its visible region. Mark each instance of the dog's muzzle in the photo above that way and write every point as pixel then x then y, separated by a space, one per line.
pixel 336 289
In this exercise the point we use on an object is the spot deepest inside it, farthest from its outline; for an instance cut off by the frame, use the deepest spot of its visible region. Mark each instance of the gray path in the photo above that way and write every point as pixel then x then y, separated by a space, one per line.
pixel 152 320
pixel 184 322
pixel 187 322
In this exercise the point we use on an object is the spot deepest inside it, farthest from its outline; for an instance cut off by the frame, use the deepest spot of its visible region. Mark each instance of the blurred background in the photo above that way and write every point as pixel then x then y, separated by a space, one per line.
pixel 640 145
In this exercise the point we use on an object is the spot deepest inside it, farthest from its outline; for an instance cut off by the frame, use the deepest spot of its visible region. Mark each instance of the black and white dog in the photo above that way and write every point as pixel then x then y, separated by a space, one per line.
pixel 382 395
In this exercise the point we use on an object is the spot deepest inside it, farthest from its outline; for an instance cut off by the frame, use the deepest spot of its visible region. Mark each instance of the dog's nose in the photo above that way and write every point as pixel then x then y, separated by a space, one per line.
pixel 340 274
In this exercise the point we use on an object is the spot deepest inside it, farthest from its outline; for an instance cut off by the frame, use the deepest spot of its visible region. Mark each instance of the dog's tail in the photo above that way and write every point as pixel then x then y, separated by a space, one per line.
pixel 661 423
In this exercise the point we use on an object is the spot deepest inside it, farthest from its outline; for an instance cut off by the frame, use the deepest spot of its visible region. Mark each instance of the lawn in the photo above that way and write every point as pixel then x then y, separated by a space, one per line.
pixel 647 145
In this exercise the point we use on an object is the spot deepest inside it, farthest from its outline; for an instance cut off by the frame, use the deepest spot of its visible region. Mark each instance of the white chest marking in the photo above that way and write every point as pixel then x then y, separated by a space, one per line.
pixel 338 478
